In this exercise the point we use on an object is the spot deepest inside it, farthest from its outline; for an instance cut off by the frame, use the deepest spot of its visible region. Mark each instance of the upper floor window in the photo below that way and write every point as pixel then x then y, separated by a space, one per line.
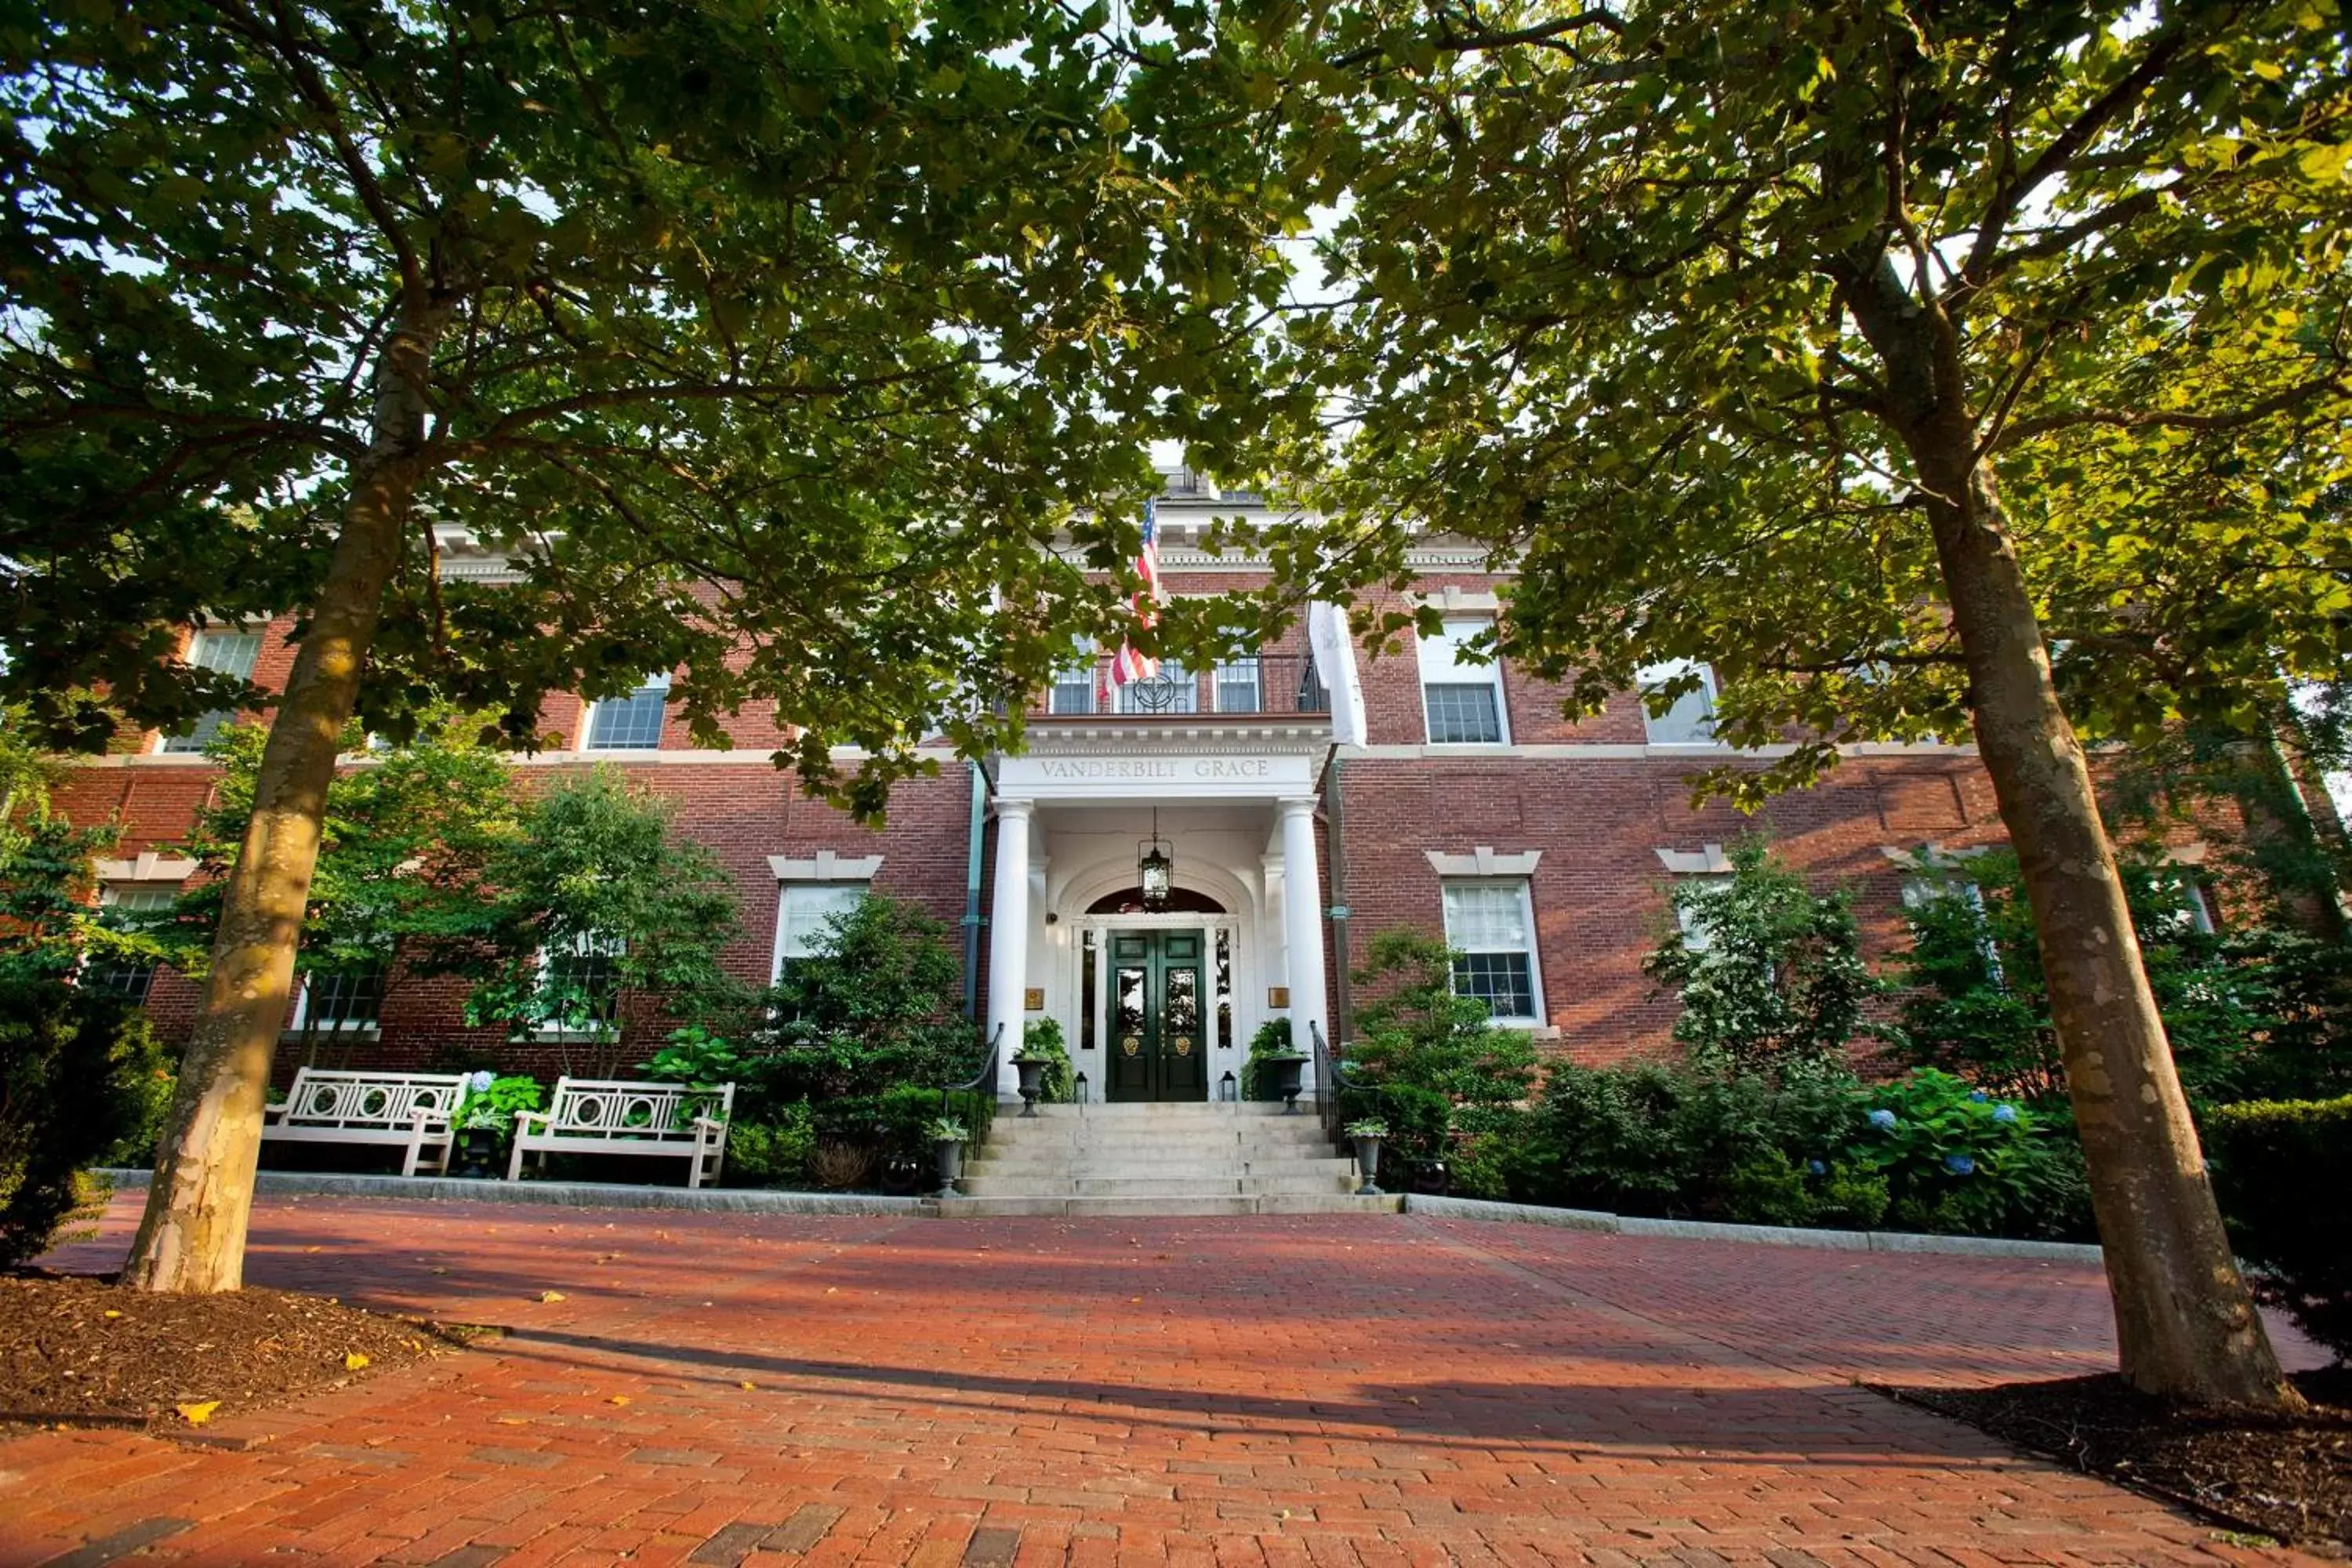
pixel 1073 683
pixel 1691 721
pixel 230 653
pixel 805 916
pixel 1463 700
pixel 1237 686
pixel 631 723
pixel 1491 927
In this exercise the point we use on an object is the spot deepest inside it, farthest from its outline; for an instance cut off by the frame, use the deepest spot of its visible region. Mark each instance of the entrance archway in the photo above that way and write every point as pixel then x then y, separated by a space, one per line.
pixel 1180 902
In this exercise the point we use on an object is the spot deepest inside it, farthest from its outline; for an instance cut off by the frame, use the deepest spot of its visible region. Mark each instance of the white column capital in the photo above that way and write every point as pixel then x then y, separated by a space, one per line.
pixel 1013 807
pixel 1291 806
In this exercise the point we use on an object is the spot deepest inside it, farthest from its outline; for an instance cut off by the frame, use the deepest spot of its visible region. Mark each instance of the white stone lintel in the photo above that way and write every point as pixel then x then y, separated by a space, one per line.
pixel 1484 861
pixel 149 867
pixel 825 867
pixel 1710 861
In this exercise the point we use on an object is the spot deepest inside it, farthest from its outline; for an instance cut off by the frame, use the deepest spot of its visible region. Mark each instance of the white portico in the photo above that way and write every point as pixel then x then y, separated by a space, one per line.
pixel 1159 1004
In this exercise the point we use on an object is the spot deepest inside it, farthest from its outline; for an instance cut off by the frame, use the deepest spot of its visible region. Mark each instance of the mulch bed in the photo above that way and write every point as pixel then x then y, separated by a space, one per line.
pixel 75 1352
pixel 2289 1478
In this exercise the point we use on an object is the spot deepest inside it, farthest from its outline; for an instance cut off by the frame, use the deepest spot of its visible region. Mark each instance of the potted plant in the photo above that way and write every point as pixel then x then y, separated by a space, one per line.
pixel 1368 1134
pixel 1044 1064
pixel 947 1135
pixel 486 1117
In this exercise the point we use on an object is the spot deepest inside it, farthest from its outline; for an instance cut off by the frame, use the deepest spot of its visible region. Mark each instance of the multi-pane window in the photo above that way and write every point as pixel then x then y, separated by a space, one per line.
pixel 631 723
pixel 1690 722
pixel 1073 683
pixel 126 907
pixel 1694 910
pixel 1463 699
pixel 580 983
pixel 1491 927
pixel 230 653
pixel 805 914
pixel 351 999
pixel 1237 686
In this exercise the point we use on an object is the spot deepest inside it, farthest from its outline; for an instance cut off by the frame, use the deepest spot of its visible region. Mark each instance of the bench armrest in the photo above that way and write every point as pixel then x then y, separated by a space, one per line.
pixel 711 1123
pixel 522 1116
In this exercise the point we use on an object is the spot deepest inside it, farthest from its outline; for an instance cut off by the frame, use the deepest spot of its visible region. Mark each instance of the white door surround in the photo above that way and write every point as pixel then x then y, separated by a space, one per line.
pixel 1242 829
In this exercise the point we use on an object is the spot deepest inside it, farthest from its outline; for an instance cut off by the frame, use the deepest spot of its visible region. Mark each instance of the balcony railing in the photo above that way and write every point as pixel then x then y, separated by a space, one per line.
pixel 1267 683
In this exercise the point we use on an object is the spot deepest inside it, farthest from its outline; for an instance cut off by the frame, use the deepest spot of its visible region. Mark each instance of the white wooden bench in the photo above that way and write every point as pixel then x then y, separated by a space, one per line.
pixel 409 1111
pixel 613 1116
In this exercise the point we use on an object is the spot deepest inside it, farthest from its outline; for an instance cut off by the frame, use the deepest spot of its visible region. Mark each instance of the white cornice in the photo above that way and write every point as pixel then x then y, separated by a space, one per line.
pixel 1483 861
pixel 1710 861
pixel 826 866
pixel 149 867
pixel 1193 733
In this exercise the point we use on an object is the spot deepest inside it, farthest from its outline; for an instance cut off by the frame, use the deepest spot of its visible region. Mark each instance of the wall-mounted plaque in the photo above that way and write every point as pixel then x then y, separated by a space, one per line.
pixel 1277 995
pixel 1033 1000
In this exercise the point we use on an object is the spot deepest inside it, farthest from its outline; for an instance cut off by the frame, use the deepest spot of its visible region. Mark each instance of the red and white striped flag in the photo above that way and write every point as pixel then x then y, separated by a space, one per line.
pixel 1130 666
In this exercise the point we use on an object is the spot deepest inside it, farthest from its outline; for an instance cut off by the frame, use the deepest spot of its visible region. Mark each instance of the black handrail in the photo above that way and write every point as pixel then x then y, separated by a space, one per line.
pixel 980 1090
pixel 1327 1086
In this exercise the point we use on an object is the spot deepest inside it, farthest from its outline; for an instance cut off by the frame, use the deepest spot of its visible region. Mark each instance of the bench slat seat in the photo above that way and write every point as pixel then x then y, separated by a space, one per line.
pixel 408 1111
pixel 617 1116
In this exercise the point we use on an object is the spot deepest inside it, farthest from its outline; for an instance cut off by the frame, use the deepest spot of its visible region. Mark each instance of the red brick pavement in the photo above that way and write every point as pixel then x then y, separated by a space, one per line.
pixel 1291 1393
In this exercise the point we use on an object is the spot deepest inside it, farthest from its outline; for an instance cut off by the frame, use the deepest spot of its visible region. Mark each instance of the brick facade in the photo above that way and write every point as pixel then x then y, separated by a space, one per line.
pixel 1592 797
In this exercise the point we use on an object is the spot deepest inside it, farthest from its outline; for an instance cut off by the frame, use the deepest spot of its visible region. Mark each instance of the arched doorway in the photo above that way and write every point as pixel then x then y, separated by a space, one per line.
pixel 1166 991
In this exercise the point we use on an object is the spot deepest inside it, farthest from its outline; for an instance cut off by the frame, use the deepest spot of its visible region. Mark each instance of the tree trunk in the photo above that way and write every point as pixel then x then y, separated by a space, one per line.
pixel 192 1237
pixel 2185 1326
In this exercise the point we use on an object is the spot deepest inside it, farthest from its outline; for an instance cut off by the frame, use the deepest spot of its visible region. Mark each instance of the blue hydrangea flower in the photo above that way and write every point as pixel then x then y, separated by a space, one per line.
pixel 2004 1112
pixel 1959 1165
pixel 480 1081
pixel 1882 1118
pixel 1817 1168
pixel 1979 1096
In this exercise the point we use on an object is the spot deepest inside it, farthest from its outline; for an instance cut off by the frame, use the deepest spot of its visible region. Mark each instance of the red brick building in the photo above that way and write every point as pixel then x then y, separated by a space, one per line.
pixel 1543 849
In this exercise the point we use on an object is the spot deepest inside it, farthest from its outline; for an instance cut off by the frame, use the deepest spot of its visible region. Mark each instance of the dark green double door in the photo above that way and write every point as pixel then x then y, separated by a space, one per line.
pixel 1157 1048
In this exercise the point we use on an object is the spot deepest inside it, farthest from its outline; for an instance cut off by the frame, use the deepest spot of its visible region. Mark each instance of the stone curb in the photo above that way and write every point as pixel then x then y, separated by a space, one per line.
pixel 1764 1235
pixel 560 1194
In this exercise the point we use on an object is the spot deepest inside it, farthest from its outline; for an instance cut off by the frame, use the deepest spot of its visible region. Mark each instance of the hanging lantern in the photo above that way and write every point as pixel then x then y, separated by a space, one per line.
pixel 1155 869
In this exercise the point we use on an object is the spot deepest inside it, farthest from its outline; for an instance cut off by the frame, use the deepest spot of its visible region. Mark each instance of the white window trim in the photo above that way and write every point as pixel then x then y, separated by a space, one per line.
pixel 588 716
pixel 1490 672
pixel 560 1033
pixel 1708 878
pixel 343 1028
pixel 1654 674
pixel 1540 1021
pixel 785 886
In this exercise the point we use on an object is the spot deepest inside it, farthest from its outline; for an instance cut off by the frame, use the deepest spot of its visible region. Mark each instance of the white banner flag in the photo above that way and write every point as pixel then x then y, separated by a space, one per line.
pixel 1335 665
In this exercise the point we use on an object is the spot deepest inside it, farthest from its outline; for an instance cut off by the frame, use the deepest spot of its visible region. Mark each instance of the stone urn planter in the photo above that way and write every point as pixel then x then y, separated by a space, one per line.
pixel 477 1152
pixel 1032 1070
pixel 1285 1070
pixel 948 1153
pixel 1368 1137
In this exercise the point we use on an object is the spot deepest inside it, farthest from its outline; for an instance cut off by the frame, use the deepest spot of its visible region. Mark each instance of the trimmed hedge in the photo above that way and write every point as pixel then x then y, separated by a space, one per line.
pixel 2274 1163
pixel 79 1075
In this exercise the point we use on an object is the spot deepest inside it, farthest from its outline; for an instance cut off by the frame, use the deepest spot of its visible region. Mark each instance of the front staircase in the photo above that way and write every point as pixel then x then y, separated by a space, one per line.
pixel 1126 1159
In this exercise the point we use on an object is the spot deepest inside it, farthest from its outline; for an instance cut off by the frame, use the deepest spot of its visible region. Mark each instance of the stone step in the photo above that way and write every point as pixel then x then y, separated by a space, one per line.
pixel 1107 1162
pixel 1153 1137
pixel 1194 1184
pixel 1171 1207
pixel 1135 1110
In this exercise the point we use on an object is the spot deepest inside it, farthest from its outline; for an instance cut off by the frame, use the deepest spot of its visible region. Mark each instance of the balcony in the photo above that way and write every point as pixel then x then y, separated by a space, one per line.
pixel 1265 685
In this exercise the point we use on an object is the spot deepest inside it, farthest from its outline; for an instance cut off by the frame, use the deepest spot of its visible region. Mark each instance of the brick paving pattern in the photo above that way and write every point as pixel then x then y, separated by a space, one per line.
pixel 1315 1392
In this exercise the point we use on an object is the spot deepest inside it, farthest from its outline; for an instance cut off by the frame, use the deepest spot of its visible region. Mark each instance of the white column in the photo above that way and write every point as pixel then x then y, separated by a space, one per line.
pixel 1008 936
pixel 1302 921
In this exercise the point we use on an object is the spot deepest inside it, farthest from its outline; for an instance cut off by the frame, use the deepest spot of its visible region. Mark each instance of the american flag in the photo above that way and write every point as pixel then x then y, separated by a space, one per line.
pixel 1130 666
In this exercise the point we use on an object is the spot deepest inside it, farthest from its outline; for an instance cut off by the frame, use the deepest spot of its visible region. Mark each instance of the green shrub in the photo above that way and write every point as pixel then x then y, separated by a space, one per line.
pixel 1411 1028
pixel 2273 1164
pixel 696 1057
pixel 774 1152
pixel 1778 983
pixel 81 1074
pixel 873 1007
pixel 1956 1160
